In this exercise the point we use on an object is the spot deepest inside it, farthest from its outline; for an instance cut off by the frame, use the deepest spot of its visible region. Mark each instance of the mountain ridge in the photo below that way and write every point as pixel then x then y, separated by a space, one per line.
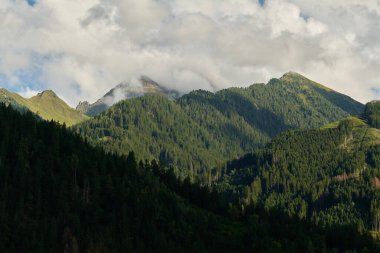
pixel 341 100
pixel 124 91
pixel 266 147
pixel 200 129
pixel 61 195
pixel 45 104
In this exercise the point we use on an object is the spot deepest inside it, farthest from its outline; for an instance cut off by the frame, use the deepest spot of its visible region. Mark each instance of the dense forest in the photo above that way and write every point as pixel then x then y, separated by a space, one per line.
pixel 329 176
pixel 59 194
pixel 200 131
pixel 372 113
pixel 156 174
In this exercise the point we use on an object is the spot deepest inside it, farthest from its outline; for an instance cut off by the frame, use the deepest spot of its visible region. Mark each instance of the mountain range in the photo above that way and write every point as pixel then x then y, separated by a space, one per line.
pixel 52 107
pixel 58 194
pixel 287 166
pixel 201 130
pixel 152 120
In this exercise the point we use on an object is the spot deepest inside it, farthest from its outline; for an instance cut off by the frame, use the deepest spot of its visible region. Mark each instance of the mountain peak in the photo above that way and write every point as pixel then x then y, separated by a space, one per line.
pixel 292 75
pixel 83 106
pixel 126 90
pixel 47 93
pixel 46 104
pixel 296 78
pixel 147 81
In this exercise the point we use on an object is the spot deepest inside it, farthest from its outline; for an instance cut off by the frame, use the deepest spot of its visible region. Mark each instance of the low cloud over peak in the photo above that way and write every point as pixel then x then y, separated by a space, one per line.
pixel 81 49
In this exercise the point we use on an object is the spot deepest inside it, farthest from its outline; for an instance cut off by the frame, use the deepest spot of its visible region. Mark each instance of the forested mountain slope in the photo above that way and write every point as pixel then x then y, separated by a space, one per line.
pixel 59 194
pixel 45 104
pixel 340 100
pixel 329 175
pixel 372 113
pixel 202 130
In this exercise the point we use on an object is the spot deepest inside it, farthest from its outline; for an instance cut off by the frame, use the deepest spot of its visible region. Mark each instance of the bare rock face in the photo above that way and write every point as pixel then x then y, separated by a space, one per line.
pixel 83 106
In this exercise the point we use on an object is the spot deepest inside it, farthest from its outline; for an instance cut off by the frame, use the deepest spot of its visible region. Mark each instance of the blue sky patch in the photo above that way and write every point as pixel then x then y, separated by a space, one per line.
pixel 31 2
pixel 261 2
pixel 28 77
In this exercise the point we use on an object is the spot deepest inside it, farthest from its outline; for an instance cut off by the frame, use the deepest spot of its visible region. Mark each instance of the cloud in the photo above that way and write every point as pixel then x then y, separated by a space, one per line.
pixel 81 49
pixel 27 92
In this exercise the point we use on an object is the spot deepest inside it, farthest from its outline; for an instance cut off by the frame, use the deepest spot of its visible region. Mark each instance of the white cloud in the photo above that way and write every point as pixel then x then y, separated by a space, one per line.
pixel 81 49
pixel 27 92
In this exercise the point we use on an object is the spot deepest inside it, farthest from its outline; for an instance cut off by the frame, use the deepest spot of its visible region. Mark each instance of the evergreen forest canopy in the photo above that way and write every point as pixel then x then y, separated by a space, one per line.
pixel 329 176
pixel 372 113
pixel 290 166
pixel 197 133
pixel 59 194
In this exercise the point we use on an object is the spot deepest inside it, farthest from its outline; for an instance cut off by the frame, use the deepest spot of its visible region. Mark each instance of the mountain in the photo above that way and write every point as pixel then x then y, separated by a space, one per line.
pixel 45 104
pixel 58 194
pixel 125 91
pixel 342 101
pixel 202 130
pixel 329 175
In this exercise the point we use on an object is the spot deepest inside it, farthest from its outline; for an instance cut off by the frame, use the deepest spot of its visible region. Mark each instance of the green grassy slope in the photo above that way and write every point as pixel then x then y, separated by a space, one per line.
pixel 202 130
pixel 340 100
pixel 363 133
pixel 46 104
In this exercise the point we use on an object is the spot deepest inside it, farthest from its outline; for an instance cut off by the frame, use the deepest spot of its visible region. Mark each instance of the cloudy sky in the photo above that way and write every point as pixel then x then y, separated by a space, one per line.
pixel 81 49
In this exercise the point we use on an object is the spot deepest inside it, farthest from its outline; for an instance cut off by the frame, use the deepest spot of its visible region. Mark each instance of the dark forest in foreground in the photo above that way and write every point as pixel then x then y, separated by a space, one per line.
pixel 58 194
